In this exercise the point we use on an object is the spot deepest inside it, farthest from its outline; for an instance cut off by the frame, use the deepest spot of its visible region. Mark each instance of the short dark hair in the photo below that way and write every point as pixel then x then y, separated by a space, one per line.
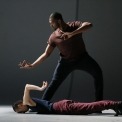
pixel 15 105
pixel 56 15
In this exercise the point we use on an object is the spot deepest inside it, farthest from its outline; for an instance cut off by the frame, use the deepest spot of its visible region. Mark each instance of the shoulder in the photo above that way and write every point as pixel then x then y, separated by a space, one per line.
pixel 52 35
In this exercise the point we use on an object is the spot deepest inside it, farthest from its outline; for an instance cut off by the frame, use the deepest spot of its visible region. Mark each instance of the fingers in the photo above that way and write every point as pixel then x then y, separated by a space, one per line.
pixel 45 83
pixel 64 35
pixel 25 65
pixel 22 63
pixel 61 31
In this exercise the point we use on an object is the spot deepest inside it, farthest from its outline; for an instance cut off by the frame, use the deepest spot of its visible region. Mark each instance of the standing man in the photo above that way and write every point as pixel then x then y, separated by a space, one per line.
pixel 67 37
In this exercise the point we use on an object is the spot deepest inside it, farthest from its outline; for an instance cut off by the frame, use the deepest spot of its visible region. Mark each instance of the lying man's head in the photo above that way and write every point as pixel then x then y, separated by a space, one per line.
pixel 19 107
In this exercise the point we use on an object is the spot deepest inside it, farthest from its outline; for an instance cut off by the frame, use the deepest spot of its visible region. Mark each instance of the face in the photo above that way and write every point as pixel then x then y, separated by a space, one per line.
pixel 22 108
pixel 55 24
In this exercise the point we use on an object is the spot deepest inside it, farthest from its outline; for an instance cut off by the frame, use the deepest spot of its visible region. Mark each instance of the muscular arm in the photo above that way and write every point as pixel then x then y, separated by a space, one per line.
pixel 25 65
pixel 84 26
pixel 26 97
pixel 49 49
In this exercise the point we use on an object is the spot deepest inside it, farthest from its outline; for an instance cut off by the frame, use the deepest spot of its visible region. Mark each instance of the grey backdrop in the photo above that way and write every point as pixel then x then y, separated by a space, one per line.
pixel 24 31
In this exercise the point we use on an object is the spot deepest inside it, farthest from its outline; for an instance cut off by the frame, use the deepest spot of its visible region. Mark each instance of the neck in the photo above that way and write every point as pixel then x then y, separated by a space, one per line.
pixel 63 26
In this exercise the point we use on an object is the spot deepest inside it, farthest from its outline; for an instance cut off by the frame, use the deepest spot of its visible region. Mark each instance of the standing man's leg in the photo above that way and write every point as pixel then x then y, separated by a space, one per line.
pixel 89 65
pixel 97 74
pixel 62 70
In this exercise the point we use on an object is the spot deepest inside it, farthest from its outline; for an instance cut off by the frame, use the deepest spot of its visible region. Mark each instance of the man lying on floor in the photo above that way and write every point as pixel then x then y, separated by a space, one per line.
pixel 62 107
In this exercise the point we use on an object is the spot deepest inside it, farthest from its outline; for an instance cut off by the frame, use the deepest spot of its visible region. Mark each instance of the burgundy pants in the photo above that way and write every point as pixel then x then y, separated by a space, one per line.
pixel 72 107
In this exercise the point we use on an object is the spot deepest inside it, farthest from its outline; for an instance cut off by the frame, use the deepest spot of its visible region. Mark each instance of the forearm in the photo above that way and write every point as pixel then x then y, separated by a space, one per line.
pixel 30 87
pixel 49 49
pixel 85 26
pixel 39 60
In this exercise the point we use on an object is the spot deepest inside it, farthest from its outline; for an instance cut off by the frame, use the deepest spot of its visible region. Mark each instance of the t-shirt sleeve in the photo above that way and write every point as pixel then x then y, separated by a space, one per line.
pixel 50 41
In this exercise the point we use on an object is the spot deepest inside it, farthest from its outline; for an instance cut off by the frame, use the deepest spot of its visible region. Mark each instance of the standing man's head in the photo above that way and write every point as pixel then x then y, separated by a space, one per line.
pixel 55 20
pixel 19 107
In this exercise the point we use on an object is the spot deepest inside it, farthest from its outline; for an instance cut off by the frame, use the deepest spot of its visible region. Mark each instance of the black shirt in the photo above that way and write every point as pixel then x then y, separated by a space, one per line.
pixel 42 106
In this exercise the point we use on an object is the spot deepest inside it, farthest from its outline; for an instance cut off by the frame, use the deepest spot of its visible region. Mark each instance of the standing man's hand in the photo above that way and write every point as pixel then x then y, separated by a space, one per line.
pixel 66 35
pixel 25 65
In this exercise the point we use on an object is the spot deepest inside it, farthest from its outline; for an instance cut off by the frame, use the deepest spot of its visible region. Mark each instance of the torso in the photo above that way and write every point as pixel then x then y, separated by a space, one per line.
pixel 71 48
pixel 42 106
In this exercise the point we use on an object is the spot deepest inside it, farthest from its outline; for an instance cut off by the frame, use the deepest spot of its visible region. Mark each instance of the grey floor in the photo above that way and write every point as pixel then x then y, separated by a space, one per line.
pixel 8 115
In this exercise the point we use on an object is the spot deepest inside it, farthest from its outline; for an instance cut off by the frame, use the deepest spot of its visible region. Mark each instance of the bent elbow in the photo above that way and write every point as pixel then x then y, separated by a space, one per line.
pixel 90 25
pixel 27 86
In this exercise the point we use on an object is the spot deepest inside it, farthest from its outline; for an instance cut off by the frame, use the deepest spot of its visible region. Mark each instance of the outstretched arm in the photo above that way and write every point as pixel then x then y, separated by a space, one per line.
pixel 26 97
pixel 26 65
pixel 84 26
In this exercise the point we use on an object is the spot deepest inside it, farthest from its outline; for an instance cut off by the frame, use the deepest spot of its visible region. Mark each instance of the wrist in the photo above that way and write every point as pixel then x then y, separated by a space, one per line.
pixel 32 65
pixel 72 33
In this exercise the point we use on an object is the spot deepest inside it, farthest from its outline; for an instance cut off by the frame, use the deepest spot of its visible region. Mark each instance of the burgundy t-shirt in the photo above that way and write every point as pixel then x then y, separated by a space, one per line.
pixel 71 48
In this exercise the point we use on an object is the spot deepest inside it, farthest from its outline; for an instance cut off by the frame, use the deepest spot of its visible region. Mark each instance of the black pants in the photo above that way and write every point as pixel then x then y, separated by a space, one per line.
pixel 65 67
